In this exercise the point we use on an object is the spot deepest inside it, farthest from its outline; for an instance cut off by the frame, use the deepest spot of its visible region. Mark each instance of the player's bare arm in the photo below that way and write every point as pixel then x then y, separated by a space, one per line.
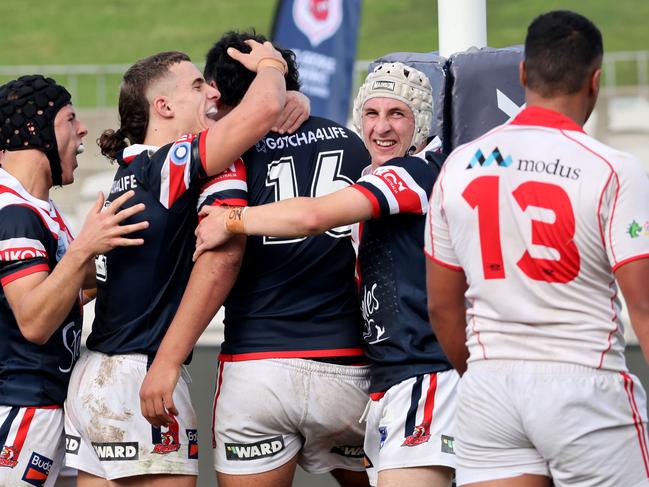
pixel 41 301
pixel 256 114
pixel 296 110
pixel 446 311
pixel 210 282
pixel 295 217
pixel 632 278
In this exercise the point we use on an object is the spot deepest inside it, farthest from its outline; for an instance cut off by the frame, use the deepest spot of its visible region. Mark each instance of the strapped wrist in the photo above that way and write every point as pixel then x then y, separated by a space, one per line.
pixel 234 220
pixel 273 62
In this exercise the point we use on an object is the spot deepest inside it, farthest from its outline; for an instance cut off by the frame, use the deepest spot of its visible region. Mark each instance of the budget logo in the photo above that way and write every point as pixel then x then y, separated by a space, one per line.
pixel 480 160
pixel 37 470
pixel 117 452
pixel 348 451
pixel 318 19
pixel 252 451
pixel 192 448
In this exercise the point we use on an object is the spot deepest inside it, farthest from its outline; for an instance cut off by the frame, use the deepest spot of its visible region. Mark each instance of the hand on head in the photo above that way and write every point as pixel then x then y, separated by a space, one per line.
pixel 260 55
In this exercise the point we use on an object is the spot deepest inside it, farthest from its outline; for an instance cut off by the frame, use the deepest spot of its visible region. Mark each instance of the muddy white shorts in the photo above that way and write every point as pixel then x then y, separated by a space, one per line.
pixel 412 424
pixel 581 426
pixel 107 436
pixel 268 411
pixel 31 442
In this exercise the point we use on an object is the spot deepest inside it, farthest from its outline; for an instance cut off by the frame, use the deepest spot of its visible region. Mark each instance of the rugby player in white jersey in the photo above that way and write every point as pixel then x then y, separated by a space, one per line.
pixel 536 224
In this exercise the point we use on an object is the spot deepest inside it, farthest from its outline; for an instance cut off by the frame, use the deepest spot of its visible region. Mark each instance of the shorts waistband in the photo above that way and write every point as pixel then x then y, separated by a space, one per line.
pixel 141 358
pixel 321 368
pixel 537 367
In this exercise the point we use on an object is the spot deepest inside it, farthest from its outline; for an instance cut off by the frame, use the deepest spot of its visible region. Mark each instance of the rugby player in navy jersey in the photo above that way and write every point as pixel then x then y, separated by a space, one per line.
pixel 42 271
pixel 409 437
pixel 167 114
pixel 292 380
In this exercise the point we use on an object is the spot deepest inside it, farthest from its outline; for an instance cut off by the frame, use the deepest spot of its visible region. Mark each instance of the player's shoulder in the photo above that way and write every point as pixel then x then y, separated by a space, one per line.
pixel 20 219
pixel 616 158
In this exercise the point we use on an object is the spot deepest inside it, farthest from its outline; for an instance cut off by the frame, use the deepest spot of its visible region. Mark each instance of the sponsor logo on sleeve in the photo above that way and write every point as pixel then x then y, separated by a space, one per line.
pixel 8 457
pixel 37 470
pixel 636 230
pixel 447 444
pixel 117 452
pixel 72 444
pixel 348 451
pixel 192 440
pixel 253 451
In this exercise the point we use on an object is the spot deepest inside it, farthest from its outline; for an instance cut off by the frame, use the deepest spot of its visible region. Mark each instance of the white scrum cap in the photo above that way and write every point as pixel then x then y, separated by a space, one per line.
pixel 403 83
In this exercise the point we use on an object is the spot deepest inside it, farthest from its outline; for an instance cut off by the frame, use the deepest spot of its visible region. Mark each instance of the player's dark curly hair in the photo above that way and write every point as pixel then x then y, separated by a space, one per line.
pixel 133 104
pixel 231 77
pixel 562 49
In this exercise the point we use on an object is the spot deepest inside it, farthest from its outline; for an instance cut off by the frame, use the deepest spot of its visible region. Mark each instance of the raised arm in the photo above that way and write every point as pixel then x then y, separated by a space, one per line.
pixel 295 217
pixel 256 114
pixel 41 301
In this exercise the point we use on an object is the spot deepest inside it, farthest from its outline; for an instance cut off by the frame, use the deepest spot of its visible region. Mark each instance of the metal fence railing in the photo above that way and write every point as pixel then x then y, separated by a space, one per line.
pixel 96 85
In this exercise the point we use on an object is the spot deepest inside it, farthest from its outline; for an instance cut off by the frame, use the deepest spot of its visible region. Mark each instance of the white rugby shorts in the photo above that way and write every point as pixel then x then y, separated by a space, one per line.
pixel 267 411
pixel 578 425
pixel 107 436
pixel 412 424
pixel 31 445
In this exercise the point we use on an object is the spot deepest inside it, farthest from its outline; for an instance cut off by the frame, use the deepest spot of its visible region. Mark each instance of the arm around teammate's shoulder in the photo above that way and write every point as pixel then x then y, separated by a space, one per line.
pixel 255 115
pixel 632 278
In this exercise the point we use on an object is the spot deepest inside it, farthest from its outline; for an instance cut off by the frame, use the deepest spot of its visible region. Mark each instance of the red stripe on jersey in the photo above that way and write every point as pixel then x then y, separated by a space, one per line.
pixel 609 341
pixel 637 420
pixel 442 263
pixel 338 352
pixel 24 272
pixel 630 259
pixel 230 202
pixel 617 190
pixel 21 435
pixel 429 405
pixel 202 149
pixel 27 204
pixel 176 181
pixel 599 209
pixel 376 209
pixel 219 381
pixel 407 198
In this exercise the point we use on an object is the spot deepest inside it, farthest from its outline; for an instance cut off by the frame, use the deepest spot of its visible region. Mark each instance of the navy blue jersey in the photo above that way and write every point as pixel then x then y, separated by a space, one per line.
pixel 296 297
pixel 33 238
pixel 392 273
pixel 139 288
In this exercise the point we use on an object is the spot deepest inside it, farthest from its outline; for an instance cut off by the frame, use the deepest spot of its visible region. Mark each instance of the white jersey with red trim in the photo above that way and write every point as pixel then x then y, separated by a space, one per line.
pixel 539 215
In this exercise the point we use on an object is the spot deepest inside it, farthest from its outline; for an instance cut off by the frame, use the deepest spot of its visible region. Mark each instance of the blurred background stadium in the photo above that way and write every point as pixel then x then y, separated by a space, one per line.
pixel 86 45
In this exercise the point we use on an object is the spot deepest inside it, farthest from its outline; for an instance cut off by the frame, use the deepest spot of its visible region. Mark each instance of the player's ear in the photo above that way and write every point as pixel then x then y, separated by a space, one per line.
pixel 522 75
pixel 162 106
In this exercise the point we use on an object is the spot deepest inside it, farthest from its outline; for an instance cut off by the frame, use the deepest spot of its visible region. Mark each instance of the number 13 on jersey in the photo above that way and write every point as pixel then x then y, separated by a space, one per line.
pixel 483 195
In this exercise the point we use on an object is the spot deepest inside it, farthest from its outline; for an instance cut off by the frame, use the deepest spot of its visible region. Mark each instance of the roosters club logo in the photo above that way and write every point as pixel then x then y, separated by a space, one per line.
pixel 318 19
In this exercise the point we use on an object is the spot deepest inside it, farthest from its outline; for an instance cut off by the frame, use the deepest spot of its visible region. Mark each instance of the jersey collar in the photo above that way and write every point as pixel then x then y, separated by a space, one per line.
pixel 543 117
pixel 132 151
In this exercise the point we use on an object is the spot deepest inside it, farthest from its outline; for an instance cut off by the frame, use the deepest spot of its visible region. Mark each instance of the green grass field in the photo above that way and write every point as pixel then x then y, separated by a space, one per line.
pixel 35 32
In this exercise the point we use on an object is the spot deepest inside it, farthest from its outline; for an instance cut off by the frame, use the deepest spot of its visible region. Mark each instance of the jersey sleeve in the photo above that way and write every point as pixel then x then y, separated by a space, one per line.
pixel 402 185
pixel 183 166
pixel 437 238
pixel 227 188
pixel 625 208
pixel 22 244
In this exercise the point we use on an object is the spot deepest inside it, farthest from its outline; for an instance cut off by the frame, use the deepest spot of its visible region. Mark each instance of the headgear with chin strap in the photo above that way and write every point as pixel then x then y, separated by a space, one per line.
pixel 403 83
pixel 28 106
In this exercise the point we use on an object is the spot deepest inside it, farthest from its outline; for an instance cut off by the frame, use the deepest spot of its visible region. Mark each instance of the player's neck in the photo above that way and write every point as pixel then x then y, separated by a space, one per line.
pixel 576 106
pixel 31 168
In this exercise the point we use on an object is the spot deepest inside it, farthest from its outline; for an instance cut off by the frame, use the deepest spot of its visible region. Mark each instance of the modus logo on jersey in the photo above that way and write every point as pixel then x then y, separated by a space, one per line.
pixel 479 159
pixel 318 19
pixel 252 451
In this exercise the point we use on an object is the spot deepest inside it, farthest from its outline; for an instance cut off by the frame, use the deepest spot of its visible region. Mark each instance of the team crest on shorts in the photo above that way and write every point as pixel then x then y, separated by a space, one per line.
pixel 37 470
pixel 383 432
pixel 419 435
pixel 8 457
pixel 166 442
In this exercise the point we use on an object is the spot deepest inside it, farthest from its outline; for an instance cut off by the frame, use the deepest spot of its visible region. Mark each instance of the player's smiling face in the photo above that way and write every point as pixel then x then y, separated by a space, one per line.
pixel 388 127
pixel 69 133
pixel 193 100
